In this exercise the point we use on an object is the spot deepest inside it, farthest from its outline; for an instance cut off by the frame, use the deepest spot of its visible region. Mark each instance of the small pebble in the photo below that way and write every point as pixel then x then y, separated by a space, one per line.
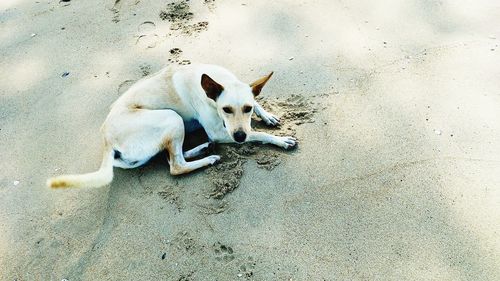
pixel 437 132
pixel 16 182
pixel 163 256
pixel 33 34
pixel 291 58
pixel 65 74
pixel 239 274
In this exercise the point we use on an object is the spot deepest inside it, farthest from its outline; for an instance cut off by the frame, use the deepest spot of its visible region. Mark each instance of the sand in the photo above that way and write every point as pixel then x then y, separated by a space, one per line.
pixel 395 104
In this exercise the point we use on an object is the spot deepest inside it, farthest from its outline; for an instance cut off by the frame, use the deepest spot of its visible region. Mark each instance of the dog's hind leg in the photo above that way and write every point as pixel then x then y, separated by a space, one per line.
pixel 172 142
pixel 148 132
pixel 178 164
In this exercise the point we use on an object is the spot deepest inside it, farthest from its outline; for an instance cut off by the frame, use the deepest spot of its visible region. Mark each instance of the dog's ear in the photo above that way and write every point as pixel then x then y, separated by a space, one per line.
pixel 212 88
pixel 259 84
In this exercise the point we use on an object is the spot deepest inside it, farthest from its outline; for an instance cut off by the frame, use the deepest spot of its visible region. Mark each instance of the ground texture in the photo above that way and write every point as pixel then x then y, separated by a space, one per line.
pixel 396 105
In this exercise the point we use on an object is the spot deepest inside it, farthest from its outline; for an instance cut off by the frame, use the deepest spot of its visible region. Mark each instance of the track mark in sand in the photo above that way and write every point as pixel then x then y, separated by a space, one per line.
pixel 195 28
pixel 292 112
pixel 116 8
pixel 184 242
pixel 147 26
pixel 213 207
pixel 147 41
pixel 175 52
pixel 124 86
pixel 226 254
pixel 145 69
pixel 268 161
pixel 223 253
pixel 177 12
pixel 180 16
pixel 185 254
pixel 225 178
pixel 146 37
pixel 171 195
pixel 193 254
pixel 210 4
pixel 247 267
pixel 181 21
pixel 186 277
pixel 175 57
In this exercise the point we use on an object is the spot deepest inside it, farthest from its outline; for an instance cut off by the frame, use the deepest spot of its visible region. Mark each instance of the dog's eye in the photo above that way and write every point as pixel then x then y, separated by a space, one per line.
pixel 247 109
pixel 227 110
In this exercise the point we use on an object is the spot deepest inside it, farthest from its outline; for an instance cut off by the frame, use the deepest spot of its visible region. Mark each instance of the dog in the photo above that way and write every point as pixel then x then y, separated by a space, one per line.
pixel 154 114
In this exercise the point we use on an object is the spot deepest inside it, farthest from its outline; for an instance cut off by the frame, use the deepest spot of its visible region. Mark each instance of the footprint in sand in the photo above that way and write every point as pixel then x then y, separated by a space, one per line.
pixel 210 4
pixel 147 38
pixel 268 160
pixel 175 57
pixel 147 26
pixel 125 85
pixel 171 196
pixel 181 18
pixel 223 253
pixel 145 69
pixel 247 267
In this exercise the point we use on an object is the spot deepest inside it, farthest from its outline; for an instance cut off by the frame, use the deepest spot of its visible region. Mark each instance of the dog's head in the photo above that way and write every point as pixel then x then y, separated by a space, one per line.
pixel 235 103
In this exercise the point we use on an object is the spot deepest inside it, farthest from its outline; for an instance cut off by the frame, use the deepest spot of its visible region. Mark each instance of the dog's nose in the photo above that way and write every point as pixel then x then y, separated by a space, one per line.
pixel 240 136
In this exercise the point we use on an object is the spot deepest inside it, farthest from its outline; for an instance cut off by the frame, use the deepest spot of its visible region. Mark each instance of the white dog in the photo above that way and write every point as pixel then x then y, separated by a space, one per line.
pixel 156 112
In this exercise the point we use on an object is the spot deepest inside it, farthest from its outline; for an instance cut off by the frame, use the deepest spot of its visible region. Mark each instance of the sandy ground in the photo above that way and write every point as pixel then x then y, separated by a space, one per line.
pixel 396 105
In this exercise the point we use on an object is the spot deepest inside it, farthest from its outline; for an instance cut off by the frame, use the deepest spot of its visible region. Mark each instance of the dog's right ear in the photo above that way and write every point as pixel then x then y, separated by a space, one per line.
pixel 259 84
pixel 212 88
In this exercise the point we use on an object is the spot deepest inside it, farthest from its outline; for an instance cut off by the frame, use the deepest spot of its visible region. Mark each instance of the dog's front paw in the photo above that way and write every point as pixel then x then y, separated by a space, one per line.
pixel 213 159
pixel 287 142
pixel 270 119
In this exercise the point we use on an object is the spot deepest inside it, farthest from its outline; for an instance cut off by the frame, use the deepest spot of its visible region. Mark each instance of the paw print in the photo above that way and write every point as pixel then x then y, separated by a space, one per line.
pixel 247 267
pixel 147 38
pixel 223 252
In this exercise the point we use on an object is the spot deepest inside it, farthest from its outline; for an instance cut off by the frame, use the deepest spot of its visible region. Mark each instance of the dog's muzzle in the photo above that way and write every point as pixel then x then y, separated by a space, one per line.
pixel 239 136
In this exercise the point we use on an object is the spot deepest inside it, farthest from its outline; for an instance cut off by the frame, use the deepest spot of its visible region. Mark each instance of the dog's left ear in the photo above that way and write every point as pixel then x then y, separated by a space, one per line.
pixel 259 84
pixel 212 88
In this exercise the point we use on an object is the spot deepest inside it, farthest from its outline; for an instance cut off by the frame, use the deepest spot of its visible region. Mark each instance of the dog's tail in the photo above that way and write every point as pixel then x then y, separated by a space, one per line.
pixel 101 177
